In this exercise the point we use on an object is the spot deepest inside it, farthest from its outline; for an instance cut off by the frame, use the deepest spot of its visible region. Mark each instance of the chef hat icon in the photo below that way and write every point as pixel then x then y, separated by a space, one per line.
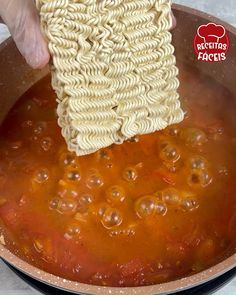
pixel 211 32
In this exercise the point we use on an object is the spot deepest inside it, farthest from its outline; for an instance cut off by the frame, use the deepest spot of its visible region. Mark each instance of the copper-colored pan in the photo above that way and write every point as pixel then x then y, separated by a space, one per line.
pixel 16 77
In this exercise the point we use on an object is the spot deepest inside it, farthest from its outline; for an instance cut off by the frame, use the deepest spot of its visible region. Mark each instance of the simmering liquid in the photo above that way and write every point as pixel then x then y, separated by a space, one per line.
pixel 154 209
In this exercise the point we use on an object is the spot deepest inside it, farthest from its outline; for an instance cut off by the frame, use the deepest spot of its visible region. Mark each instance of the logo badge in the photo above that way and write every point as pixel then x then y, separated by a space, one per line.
pixel 211 43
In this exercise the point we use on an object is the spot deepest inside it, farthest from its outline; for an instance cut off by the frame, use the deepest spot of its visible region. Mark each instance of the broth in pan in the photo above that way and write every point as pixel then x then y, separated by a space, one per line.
pixel 156 208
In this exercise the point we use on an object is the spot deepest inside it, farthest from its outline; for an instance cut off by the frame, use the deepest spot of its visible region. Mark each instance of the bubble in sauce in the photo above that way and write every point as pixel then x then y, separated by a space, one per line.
pixel 115 193
pixel 72 230
pixel 109 165
pixel 111 217
pixel 27 124
pixel 133 139
pixel 83 202
pixel 94 179
pixel 171 196
pixel 189 204
pixel 41 175
pixel 130 174
pixel 40 127
pixel 104 154
pixel 174 166
pixel 193 136
pixel 46 143
pixel 161 208
pixel 54 203
pixel 73 175
pixel 222 170
pixel 29 105
pixel 170 153
pixel 199 178
pixel 86 199
pixel 65 190
pixel 216 131
pixel 102 208
pixel 172 131
pixel 198 162
pixel 67 206
pixel 67 158
pixel 34 138
pixel 146 206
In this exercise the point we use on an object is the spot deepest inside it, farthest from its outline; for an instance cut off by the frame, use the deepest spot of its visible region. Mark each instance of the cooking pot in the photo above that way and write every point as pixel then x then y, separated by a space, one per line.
pixel 16 77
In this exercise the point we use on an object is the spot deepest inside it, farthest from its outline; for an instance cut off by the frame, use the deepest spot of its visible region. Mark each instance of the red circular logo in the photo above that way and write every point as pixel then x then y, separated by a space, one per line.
pixel 211 43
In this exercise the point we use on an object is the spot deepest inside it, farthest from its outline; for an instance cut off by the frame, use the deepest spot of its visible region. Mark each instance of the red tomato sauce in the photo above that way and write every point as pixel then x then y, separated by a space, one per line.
pixel 154 209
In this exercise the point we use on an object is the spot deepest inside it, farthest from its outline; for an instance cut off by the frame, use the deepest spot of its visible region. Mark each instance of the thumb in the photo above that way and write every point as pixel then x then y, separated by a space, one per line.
pixel 22 19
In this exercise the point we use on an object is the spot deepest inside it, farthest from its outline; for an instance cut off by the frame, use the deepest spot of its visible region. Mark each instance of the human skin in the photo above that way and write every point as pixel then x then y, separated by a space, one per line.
pixel 22 19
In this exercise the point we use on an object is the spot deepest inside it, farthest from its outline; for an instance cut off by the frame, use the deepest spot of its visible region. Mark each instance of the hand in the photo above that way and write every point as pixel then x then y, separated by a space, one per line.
pixel 22 20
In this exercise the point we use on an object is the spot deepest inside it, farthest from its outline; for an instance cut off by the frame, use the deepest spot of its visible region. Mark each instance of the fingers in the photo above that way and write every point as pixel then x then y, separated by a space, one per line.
pixel 30 40
pixel 22 19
